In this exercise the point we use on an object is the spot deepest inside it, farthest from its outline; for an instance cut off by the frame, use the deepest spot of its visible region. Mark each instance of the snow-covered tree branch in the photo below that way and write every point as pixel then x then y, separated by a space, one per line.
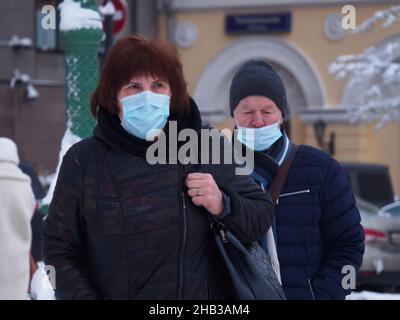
pixel 378 66
pixel 388 17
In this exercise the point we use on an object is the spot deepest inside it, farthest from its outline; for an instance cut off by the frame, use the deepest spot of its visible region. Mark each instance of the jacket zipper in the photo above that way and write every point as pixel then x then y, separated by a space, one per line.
pixel 181 273
pixel 311 289
pixel 292 194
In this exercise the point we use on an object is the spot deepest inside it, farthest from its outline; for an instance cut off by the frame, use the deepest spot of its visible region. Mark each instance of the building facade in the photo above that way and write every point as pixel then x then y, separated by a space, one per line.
pixel 301 47
pixel 299 37
pixel 32 74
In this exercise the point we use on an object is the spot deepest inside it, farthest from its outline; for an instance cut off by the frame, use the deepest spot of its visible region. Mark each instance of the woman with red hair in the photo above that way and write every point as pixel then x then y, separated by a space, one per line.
pixel 122 228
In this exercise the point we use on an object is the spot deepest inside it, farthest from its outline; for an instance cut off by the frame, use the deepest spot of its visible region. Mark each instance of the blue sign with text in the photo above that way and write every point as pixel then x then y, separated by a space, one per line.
pixel 258 23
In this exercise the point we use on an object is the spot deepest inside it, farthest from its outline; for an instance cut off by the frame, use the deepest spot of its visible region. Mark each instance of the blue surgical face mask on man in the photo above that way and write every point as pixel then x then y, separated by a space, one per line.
pixel 259 139
pixel 144 111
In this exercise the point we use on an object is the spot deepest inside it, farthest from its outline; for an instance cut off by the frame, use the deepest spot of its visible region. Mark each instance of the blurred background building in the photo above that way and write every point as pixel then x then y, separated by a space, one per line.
pixel 304 38
pixel 32 74
pixel 300 38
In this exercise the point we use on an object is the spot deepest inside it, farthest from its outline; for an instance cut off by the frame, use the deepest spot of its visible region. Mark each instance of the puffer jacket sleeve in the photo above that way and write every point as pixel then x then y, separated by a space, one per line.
pixel 64 233
pixel 251 209
pixel 342 234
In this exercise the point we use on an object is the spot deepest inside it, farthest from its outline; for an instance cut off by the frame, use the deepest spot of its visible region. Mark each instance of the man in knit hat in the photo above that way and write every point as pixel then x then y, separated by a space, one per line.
pixel 317 224
pixel 17 204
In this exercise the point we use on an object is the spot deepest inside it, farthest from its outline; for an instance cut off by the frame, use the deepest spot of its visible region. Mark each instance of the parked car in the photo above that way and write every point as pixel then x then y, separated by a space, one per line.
pixel 370 182
pixel 391 209
pixel 380 217
pixel 380 270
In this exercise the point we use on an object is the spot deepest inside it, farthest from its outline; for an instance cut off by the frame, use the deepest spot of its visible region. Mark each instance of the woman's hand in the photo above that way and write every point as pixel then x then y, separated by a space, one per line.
pixel 204 192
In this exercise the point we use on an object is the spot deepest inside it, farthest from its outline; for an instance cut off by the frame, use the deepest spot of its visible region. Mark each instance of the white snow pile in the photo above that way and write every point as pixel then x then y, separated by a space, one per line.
pixel 108 9
pixel 74 17
pixel 41 288
pixel 68 140
pixel 369 295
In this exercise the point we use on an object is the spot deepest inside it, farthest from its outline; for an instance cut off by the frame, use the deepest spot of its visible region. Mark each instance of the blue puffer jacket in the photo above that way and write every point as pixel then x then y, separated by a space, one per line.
pixel 318 227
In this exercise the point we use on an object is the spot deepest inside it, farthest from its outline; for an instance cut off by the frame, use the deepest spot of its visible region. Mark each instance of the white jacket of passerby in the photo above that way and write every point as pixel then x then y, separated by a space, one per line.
pixel 17 204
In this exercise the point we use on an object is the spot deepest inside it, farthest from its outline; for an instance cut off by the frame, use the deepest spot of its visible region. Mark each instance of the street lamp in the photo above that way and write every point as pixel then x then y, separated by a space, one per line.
pixel 319 131
pixel 16 42
pixel 25 79
pixel 30 93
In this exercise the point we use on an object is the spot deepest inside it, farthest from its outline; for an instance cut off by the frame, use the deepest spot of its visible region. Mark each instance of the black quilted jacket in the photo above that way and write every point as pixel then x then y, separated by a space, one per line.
pixel 120 228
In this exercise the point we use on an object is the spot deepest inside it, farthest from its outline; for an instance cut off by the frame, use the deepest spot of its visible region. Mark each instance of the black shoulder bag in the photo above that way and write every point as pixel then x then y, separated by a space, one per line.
pixel 248 265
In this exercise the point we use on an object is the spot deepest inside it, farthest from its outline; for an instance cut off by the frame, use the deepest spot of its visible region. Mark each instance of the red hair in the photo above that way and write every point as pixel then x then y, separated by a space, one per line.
pixel 137 56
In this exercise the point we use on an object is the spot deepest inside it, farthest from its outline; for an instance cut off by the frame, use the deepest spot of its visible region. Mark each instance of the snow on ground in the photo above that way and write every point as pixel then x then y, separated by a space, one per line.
pixel 369 295
pixel 41 288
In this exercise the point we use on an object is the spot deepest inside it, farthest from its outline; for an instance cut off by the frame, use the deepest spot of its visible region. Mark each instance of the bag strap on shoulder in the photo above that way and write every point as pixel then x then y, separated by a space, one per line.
pixel 280 178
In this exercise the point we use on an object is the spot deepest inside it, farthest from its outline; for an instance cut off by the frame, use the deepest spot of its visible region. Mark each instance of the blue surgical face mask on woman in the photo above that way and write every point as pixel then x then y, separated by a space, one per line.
pixel 144 111
pixel 259 139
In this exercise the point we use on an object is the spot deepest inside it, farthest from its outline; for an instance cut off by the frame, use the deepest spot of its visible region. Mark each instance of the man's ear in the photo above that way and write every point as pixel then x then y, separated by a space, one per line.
pixel 234 115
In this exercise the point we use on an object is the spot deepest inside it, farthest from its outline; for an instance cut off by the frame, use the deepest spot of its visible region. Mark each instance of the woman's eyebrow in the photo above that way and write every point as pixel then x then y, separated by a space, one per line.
pixel 133 82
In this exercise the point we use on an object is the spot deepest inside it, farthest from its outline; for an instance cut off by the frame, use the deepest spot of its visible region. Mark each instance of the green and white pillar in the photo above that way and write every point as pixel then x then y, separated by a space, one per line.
pixel 80 39
pixel 80 32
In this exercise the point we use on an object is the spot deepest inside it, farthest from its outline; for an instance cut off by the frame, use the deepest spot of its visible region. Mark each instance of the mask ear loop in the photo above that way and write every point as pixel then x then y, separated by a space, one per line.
pixel 236 124
pixel 121 111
